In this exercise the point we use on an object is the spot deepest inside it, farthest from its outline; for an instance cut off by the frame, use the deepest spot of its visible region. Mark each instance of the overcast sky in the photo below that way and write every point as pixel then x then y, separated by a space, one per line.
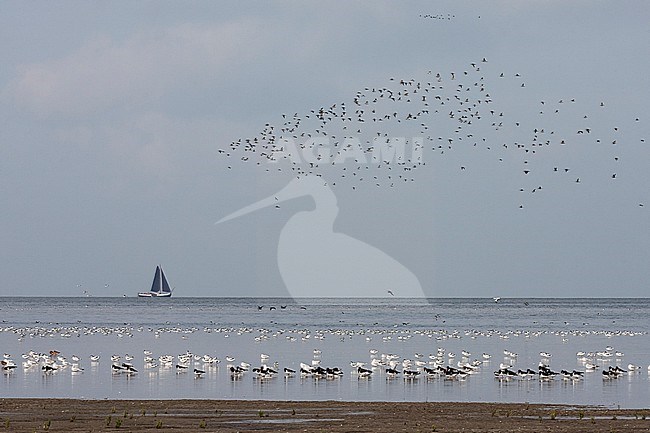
pixel 113 115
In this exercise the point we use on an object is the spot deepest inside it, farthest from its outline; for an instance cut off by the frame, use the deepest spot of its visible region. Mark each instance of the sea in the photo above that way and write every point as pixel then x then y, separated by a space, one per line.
pixel 588 336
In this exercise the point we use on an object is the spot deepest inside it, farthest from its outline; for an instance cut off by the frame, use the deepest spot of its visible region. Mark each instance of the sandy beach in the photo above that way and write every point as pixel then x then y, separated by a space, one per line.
pixel 67 415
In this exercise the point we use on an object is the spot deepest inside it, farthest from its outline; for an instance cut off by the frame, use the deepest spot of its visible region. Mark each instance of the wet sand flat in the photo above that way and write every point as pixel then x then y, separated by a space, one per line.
pixel 68 415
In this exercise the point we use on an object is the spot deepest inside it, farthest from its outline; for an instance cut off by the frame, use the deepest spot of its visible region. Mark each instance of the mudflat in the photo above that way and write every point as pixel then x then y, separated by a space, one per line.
pixel 68 415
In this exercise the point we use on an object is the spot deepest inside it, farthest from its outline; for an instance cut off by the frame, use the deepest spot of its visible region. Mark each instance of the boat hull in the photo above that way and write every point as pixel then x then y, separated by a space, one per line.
pixel 154 295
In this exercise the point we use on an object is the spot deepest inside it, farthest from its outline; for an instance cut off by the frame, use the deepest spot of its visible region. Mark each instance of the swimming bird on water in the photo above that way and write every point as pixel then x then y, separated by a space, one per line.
pixel 363 372
pixel 8 365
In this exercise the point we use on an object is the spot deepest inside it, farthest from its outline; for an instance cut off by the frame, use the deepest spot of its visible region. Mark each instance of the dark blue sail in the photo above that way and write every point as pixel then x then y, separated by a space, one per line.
pixel 165 285
pixel 156 285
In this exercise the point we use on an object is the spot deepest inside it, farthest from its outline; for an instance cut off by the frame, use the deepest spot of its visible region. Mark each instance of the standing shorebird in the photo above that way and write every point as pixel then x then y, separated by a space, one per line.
pixel 314 260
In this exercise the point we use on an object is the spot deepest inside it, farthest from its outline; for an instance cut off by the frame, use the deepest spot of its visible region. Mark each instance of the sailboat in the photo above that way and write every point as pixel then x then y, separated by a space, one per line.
pixel 159 287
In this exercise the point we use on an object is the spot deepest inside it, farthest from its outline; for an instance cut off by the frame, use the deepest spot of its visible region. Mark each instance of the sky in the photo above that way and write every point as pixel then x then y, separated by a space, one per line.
pixel 120 121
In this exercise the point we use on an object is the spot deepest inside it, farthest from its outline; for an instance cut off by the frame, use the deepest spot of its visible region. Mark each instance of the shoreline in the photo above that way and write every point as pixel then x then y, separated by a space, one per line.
pixel 74 415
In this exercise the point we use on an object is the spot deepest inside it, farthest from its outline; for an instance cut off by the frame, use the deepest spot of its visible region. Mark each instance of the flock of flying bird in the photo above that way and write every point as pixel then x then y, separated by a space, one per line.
pixel 441 364
pixel 353 143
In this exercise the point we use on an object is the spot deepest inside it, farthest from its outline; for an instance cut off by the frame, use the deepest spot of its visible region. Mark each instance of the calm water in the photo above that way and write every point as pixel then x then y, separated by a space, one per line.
pixel 344 330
